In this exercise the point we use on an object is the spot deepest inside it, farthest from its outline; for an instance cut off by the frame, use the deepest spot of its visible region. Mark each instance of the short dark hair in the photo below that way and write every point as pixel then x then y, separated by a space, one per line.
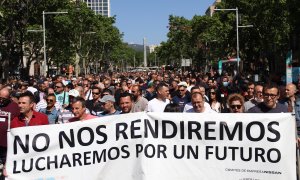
pixel 172 107
pixel 125 94
pixel 51 95
pixel 250 83
pixel 79 99
pixel 28 94
pixel 106 90
pixel 95 87
pixel 270 86
pixel 62 84
pixel 161 85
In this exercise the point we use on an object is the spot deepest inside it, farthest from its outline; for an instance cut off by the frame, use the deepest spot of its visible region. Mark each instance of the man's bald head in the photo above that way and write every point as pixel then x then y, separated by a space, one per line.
pixel 5 93
pixel 290 90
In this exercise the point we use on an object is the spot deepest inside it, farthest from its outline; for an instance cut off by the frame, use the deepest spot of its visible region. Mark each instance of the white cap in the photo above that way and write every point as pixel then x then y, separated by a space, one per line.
pixel 74 93
pixel 183 83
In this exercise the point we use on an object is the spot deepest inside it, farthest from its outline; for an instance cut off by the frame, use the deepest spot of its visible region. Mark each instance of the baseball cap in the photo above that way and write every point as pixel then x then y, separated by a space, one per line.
pixel 107 98
pixel 183 83
pixel 74 93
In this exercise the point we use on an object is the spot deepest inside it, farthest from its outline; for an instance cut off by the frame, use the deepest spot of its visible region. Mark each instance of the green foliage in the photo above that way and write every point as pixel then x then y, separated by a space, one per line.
pixel 92 37
pixel 205 37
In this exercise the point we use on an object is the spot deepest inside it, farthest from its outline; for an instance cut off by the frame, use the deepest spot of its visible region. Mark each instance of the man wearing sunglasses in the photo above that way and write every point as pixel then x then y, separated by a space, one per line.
pixel 50 110
pixel 270 103
pixel 108 104
pixel 183 97
pixel 61 96
pixel 94 106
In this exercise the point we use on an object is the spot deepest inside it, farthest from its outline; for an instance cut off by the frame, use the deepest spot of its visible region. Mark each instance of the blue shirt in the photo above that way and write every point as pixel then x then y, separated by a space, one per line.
pixel 52 116
pixel 106 114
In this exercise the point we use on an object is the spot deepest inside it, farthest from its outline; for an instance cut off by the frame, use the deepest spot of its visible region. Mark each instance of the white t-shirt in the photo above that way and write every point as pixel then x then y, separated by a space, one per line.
pixel 206 110
pixel 189 106
pixel 156 105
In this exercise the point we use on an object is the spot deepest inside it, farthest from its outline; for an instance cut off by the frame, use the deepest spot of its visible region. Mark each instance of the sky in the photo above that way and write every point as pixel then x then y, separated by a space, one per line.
pixel 138 19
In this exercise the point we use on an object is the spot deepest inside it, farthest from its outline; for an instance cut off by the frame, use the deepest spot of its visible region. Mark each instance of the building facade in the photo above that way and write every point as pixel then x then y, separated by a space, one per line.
pixel 100 7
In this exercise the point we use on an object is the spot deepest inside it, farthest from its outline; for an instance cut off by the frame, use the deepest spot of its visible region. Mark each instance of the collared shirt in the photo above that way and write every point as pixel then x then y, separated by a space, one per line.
pixel 36 120
pixel 13 108
pixel 52 115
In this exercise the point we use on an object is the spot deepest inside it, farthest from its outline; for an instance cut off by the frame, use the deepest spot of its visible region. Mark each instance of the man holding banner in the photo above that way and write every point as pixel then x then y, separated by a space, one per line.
pixel 270 103
pixel 198 104
pixel 28 116
pixel 79 110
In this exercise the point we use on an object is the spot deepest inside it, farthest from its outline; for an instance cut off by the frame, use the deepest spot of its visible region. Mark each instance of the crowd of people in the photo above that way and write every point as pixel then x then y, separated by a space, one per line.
pixel 63 99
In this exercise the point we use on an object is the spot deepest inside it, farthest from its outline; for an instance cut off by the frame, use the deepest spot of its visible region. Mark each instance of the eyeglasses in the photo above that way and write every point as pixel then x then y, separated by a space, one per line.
pixel 236 106
pixel 94 93
pixel 58 86
pixel 270 95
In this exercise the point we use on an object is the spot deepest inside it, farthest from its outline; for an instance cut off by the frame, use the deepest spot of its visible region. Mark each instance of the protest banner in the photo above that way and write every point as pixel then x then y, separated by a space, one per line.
pixel 169 146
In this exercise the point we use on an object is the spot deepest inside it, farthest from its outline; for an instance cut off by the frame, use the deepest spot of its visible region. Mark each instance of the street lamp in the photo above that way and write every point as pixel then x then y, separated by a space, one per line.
pixel 45 65
pixel 237 34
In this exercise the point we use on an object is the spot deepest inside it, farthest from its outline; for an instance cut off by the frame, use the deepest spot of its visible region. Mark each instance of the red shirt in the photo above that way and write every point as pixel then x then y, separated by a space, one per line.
pixel 36 120
pixel 13 108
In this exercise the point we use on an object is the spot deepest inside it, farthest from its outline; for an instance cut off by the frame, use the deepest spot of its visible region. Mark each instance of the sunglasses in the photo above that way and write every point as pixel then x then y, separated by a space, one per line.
pixel 236 106
pixel 181 90
pixel 95 93
pixel 212 92
pixel 270 95
pixel 49 100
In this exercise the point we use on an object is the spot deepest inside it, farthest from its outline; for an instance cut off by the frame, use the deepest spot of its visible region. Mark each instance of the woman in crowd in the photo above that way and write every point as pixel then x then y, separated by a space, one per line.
pixel 214 100
pixel 235 103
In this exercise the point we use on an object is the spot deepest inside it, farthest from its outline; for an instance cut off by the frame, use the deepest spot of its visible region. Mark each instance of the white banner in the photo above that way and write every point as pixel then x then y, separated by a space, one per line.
pixel 153 146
